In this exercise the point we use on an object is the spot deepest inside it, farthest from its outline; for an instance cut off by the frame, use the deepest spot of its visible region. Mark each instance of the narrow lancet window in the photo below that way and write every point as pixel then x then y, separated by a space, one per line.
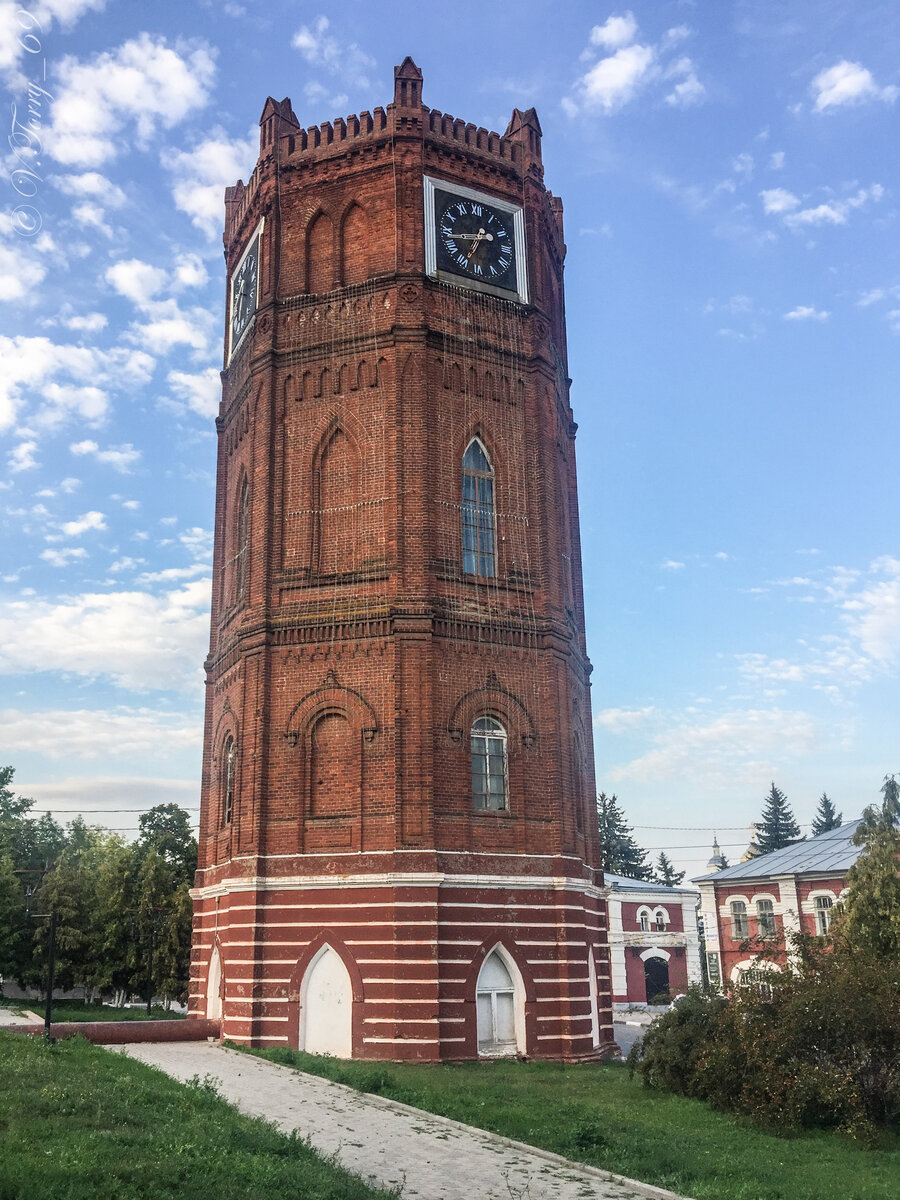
pixel 489 779
pixel 478 511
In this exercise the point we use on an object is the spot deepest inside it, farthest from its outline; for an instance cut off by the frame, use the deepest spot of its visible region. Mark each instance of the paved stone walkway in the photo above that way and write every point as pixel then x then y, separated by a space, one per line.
pixel 389 1144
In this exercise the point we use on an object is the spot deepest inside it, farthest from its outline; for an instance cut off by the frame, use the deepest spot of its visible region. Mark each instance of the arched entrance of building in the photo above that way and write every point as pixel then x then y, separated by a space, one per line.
pixel 214 986
pixel 326 1006
pixel 500 1005
pixel 656 976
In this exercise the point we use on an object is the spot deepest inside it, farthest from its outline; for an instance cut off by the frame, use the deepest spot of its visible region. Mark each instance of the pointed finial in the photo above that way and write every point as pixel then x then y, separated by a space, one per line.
pixel 407 85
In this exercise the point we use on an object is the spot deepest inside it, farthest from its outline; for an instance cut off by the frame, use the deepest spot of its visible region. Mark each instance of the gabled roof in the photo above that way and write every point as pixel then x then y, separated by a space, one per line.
pixel 829 852
pixel 622 883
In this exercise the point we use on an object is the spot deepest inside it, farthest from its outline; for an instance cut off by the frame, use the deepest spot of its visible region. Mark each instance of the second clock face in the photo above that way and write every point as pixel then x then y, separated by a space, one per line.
pixel 244 292
pixel 475 239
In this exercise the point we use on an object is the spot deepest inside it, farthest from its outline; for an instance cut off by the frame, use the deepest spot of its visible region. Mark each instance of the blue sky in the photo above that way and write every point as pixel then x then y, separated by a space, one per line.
pixel 730 182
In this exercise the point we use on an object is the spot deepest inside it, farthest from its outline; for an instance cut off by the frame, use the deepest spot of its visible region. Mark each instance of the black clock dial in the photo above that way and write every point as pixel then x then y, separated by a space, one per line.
pixel 475 239
pixel 244 292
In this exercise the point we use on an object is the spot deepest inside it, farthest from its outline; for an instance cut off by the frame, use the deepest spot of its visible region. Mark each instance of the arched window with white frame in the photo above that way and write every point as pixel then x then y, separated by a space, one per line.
pixel 660 920
pixel 490 786
pixel 478 540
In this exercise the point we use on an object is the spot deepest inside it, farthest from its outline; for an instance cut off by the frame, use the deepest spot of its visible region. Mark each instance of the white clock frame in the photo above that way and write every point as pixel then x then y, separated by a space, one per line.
pixel 256 234
pixel 518 222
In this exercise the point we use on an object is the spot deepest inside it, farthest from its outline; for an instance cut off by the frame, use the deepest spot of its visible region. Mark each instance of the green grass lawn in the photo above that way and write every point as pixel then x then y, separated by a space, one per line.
pixel 597 1115
pixel 80 1123
pixel 79 1010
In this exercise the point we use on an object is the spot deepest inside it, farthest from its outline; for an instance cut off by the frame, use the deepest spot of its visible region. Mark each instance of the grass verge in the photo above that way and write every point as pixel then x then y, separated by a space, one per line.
pixel 80 1123
pixel 597 1115
pixel 78 1010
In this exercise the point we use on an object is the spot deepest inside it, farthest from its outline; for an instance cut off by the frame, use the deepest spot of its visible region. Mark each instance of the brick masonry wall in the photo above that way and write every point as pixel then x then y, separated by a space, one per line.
pixel 349 654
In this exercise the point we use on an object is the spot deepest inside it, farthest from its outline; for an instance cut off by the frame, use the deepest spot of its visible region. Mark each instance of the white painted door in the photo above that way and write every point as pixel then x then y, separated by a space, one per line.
pixel 327 1007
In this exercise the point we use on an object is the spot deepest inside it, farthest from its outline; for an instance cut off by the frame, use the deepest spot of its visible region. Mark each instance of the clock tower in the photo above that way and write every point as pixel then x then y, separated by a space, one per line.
pixel 398 845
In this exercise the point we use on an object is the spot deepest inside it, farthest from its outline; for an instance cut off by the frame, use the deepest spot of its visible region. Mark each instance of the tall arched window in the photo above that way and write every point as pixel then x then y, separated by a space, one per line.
pixel 495 1003
pixel 242 556
pixel 489 781
pixel 824 905
pixel 478 511
pixel 229 756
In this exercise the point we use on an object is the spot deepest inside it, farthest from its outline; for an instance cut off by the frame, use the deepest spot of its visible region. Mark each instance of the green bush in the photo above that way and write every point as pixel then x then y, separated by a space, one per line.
pixel 819 1048
pixel 667 1056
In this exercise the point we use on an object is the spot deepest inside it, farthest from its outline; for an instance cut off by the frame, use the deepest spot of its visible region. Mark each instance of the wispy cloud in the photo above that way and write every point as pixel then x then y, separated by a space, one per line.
pixel 848 83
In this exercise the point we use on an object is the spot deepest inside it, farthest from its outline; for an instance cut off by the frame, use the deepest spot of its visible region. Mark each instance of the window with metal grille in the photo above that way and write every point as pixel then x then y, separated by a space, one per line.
pixel 765 916
pixel 489 786
pixel 739 926
pixel 229 756
pixel 478 511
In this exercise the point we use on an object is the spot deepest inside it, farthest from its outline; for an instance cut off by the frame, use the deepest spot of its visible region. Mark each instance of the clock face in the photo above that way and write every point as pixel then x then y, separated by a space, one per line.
pixel 475 239
pixel 244 292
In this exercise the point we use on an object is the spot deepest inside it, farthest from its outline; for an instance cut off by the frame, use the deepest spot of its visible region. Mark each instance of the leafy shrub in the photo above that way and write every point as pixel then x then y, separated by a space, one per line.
pixel 668 1055
pixel 819 1048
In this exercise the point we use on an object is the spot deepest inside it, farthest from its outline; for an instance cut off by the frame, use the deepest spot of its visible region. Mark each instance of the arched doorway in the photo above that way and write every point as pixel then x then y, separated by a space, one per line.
pixel 214 986
pixel 326 1006
pixel 499 1007
pixel 656 976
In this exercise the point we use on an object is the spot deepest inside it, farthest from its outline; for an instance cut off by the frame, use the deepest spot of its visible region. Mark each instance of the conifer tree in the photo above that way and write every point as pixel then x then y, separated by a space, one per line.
pixel 827 817
pixel 666 873
pixel 620 853
pixel 778 826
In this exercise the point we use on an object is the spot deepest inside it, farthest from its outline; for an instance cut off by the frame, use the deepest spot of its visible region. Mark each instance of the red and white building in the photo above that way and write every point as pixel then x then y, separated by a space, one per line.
pixel 771 896
pixel 654 942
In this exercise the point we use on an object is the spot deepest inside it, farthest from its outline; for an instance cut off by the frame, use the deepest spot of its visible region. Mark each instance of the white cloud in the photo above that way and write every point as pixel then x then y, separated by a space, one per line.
pixel 629 67
pixel 778 200
pixel 87 521
pixel 93 733
pixel 873 615
pixel 87 323
pixel 804 313
pixel 624 720
pixel 134 639
pixel 738 746
pixel 21 25
pixel 136 280
pixel 616 32
pixel 134 90
pixel 91 185
pixel 613 81
pixel 689 90
pixel 167 325
pixel 847 83
pixel 670 564
pixel 72 795
pixel 782 203
pixel 22 457
pixel 30 371
pixel 62 558
pixel 201 392
pixel 201 174
pixel 776 162
pixel 322 49
pixel 20 273
pixel 120 458
pixel 190 271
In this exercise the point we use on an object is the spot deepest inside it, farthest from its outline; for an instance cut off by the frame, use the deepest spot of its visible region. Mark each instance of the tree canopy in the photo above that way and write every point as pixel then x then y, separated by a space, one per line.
pixel 111 898
pixel 827 817
pixel 871 917
pixel 620 853
pixel 666 873
pixel 778 826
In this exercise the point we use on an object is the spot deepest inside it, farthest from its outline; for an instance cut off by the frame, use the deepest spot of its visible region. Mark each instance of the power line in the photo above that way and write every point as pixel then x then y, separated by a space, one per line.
pixel 64 811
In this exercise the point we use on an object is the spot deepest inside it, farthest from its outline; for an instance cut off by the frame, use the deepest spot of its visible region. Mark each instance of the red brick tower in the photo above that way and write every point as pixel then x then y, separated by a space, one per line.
pixel 399 854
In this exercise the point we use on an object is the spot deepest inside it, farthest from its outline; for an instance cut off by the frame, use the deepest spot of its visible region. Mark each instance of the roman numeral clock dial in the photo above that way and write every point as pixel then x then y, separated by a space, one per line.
pixel 475 239
pixel 244 291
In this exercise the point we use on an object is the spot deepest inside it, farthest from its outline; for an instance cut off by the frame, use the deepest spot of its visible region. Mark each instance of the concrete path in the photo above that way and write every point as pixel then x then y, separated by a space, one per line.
pixel 389 1144
pixel 12 1016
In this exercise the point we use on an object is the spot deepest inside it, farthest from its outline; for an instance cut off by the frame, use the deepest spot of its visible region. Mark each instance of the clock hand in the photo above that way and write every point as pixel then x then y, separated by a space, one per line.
pixel 468 237
pixel 476 243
